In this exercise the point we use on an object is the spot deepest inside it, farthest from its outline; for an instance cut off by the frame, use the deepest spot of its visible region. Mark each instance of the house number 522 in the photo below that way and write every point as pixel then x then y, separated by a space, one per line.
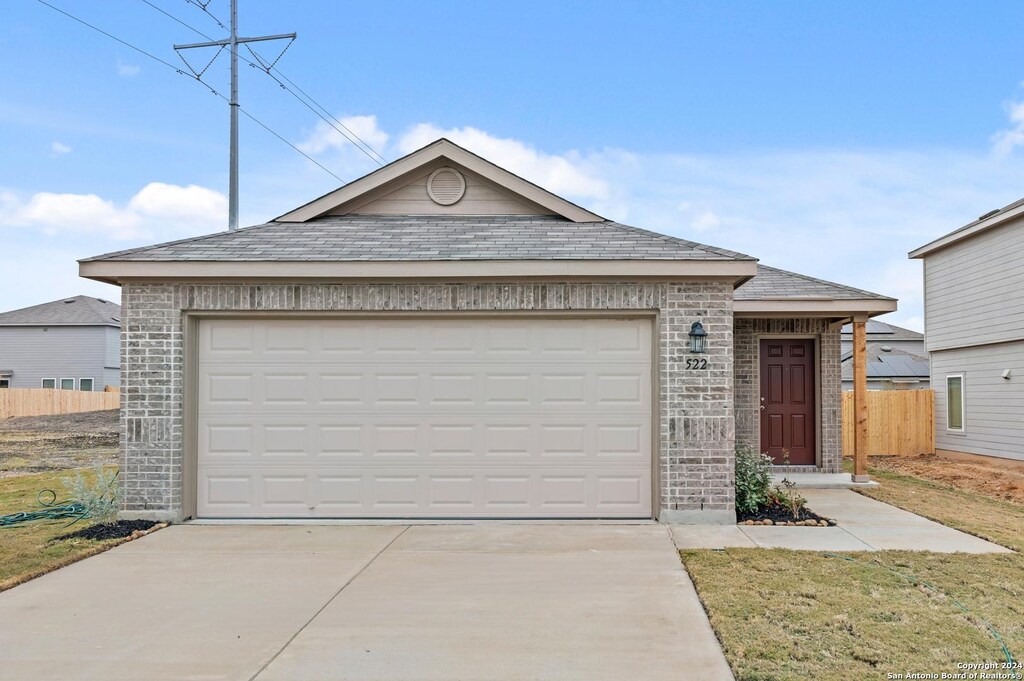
pixel 696 363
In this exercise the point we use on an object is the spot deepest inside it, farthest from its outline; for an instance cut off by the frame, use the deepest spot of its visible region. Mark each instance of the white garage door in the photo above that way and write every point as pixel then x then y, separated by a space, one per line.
pixel 416 417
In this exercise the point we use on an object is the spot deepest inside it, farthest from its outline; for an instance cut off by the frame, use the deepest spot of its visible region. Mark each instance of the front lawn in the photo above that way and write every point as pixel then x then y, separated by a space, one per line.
pixel 28 551
pixel 800 615
pixel 797 615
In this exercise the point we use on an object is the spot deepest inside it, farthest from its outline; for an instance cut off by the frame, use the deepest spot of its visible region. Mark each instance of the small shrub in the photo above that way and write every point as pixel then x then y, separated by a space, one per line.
pixel 99 494
pixel 785 494
pixel 753 479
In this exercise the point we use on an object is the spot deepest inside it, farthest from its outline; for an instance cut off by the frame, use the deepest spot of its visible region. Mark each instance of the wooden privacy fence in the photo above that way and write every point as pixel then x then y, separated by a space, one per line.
pixel 900 422
pixel 44 401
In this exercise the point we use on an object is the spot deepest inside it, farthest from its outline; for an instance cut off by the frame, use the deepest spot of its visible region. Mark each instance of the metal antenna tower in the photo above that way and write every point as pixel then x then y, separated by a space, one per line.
pixel 233 42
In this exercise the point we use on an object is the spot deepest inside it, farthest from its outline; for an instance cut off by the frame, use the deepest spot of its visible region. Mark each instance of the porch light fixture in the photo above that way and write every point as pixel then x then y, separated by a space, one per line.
pixel 698 338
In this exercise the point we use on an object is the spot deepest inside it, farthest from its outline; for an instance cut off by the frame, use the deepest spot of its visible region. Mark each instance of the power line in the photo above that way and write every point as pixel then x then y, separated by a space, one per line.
pixel 326 116
pixel 324 109
pixel 199 80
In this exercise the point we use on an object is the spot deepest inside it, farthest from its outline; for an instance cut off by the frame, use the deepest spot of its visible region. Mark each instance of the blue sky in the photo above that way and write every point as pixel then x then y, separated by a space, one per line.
pixel 825 138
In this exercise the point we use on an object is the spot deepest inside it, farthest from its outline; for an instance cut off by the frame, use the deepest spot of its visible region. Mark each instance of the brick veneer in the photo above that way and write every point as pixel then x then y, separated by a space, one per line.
pixel 696 416
pixel 748 382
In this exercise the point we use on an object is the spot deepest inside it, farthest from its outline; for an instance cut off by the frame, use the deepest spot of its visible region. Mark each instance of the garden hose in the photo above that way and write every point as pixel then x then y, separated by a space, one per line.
pixel 916 581
pixel 51 510
pixel 72 509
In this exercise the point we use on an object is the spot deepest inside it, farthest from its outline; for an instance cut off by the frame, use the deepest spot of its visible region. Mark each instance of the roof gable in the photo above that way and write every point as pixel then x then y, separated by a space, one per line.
pixel 984 223
pixel 400 188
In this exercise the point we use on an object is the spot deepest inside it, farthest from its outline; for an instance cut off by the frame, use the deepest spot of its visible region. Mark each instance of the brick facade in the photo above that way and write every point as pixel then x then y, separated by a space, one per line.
pixel 696 416
pixel 748 382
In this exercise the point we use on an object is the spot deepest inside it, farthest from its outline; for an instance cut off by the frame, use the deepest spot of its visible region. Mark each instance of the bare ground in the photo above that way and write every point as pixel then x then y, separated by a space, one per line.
pixel 34 444
pixel 1000 482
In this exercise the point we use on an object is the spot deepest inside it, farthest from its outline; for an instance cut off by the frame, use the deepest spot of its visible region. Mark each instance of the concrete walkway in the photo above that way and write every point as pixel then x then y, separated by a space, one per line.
pixel 864 525
pixel 475 602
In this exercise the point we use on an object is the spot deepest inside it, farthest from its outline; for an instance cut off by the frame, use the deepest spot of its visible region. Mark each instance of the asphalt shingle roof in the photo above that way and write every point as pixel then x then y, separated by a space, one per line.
pixel 75 311
pixel 772 283
pixel 429 237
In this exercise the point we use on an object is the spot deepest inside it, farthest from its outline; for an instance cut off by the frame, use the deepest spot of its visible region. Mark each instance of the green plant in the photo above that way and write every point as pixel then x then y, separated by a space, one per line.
pixel 753 479
pixel 98 493
pixel 785 494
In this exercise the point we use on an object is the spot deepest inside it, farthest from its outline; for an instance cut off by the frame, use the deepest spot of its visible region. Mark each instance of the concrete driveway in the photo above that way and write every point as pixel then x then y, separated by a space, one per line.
pixel 316 603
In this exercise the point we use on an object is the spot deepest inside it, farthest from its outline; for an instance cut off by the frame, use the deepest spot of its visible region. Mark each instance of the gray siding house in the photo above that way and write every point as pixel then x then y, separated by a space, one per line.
pixel 71 344
pixel 444 339
pixel 974 332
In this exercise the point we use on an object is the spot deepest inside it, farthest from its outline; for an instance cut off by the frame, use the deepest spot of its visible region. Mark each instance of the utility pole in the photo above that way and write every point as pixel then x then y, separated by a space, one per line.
pixel 233 41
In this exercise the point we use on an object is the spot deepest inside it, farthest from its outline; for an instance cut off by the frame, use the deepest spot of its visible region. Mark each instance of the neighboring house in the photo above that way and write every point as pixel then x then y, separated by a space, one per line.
pixel 443 339
pixel 70 344
pixel 896 337
pixel 974 331
pixel 897 359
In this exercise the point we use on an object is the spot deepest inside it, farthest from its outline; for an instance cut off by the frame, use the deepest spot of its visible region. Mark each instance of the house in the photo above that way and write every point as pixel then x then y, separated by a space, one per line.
pixel 443 339
pixel 896 337
pixel 897 359
pixel 974 334
pixel 70 344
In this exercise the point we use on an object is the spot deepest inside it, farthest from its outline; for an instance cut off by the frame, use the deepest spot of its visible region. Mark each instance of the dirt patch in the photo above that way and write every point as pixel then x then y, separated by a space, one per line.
pixel 993 481
pixel 86 421
pixel 115 530
pixel 33 444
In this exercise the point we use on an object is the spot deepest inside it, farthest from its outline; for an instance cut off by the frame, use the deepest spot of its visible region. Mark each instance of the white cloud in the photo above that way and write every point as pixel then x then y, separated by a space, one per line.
pixel 59 148
pixel 127 70
pixel 566 174
pixel 157 210
pixel 705 221
pixel 173 203
pixel 1005 141
pixel 330 137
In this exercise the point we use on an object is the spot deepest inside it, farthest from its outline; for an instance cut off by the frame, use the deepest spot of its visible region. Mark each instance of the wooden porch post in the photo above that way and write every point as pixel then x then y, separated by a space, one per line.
pixel 860 400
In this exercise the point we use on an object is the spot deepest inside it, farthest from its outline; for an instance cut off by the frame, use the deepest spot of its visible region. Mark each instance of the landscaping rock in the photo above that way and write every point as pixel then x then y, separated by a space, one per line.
pixel 779 514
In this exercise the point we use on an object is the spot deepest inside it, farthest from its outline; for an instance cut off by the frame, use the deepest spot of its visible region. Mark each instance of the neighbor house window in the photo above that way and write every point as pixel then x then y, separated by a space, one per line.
pixel 67 384
pixel 5 383
pixel 50 383
pixel 85 384
pixel 955 402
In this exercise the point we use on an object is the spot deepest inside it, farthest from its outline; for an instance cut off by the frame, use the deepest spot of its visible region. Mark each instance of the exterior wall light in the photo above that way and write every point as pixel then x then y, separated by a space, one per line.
pixel 698 338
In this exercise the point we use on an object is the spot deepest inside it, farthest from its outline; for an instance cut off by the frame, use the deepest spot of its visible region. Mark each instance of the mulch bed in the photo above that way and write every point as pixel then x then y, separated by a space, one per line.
pixel 115 530
pixel 780 515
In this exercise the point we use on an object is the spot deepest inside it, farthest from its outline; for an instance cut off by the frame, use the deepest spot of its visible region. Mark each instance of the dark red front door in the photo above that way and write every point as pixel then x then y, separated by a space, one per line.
pixel 788 401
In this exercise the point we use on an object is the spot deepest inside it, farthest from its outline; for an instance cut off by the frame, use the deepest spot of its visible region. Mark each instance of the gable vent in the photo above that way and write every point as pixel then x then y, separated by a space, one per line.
pixel 446 186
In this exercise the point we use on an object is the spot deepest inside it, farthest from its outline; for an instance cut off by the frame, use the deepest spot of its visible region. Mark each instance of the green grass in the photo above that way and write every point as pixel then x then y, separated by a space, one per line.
pixel 29 550
pixel 801 615
pixel 798 615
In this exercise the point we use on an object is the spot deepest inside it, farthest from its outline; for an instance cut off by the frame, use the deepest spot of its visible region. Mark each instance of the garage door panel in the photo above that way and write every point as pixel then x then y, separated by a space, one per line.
pixel 317 437
pixel 598 386
pixel 387 493
pixel 424 418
